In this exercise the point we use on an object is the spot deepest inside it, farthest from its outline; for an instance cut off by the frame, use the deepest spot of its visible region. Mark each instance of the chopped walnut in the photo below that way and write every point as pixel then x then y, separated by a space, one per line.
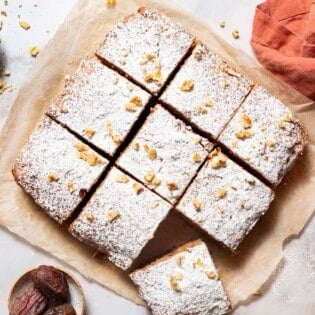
pixel 171 186
pixel 116 139
pixel 110 3
pixel 200 110
pixel 179 260
pixel 70 186
pixel 271 144
pixel 225 85
pixel 221 193
pixel 81 147
pixel 208 103
pixel 155 76
pixel 149 176
pixel 151 153
pixel 53 177
pixel 243 134
pixel 131 107
pixel 246 121
pixel 289 117
pixel 196 157
pixel 174 281
pixel 147 58
pixel 34 51
pixel 281 124
pixel 230 71
pixel 156 181
pixel 212 275
pixel 6 72
pixel 197 204
pixel 222 24
pixel 134 103
pixel 113 215
pixel 89 216
pixel 198 263
pixel 197 140
pixel 187 85
pixel 236 34
pixel 123 179
pixel 242 203
pixel 234 143
pixel 91 158
pixel 63 109
pixel 89 132
pixel 217 159
pixel 198 54
pixel 24 24
pixel 137 188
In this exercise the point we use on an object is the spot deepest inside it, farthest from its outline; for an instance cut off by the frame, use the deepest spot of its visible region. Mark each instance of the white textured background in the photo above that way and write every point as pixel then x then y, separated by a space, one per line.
pixel 292 289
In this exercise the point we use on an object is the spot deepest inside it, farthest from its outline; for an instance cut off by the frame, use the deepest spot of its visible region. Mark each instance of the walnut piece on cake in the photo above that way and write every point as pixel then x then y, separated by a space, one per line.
pixel 266 135
pixel 57 170
pixel 124 218
pixel 217 91
pixel 99 105
pixel 230 201
pixel 182 282
pixel 147 46
pixel 177 155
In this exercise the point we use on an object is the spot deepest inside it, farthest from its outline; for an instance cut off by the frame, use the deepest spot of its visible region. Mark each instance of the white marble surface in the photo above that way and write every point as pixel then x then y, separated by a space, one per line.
pixel 292 291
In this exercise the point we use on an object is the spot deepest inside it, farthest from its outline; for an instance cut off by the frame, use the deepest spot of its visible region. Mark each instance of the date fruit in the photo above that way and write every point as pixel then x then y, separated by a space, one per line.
pixel 64 309
pixel 52 283
pixel 29 302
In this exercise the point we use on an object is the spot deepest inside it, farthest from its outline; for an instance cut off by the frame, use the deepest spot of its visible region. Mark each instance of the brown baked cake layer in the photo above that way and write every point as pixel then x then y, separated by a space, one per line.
pixel 121 217
pixel 206 91
pixel 265 134
pixel 225 200
pixel 57 170
pixel 99 105
pixel 165 154
pixel 147 46
pixel 183 282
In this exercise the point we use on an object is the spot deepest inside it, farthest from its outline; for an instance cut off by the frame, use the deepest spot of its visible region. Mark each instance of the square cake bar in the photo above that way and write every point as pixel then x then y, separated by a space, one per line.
pixel 99 105
pixel 57 170
pixel 165 154
pixel 147 46
pixel 266 135
pixel 121 217
pixel 183 282
pixel 206 91
pixel 225 200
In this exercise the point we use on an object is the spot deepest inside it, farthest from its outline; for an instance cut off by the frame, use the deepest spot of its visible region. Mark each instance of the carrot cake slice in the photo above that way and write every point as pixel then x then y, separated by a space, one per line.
pixel 57 170
pixel 147 46
pixel 266 135
pixel 165 154
pixel 183 282
pixel 99 105
pixel 120 218
pixel 225 200
pixel 206 91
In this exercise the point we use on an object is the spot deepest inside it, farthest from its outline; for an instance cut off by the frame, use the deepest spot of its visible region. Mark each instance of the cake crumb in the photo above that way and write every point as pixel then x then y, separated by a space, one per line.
pixel 110 3
pixel 217 159
pixel 212 275
pixel 197 204
pixel 34 51
pixel 89 132
pixel 246 121
pixel 113 215
pixel 149 177
pixel 151 153
pixel 187 85
pixel 222 24
pixel 243 134
pixel 221 193
pixel 236 34
pixel 137 188
pixel 70 186
pixel 155 76
pixel 196 157
pixel 90 217
pixel 198 262
pixel 53 177
pixel 24 24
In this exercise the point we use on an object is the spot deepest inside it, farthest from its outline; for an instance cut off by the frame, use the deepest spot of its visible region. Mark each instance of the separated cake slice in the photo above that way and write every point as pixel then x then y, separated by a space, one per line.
pixel 99 105
pixel 120 218
pixel 57 170
pixel 165 154
pixel 183 282
pixel 266 135
pixel 225 200
pixel 206 91
pixel 147 46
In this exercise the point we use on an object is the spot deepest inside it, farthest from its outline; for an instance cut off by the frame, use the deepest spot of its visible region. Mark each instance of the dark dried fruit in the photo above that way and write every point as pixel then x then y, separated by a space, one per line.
pixel 29 302
pixel 82 193
pixel 52 283
pixel 64 309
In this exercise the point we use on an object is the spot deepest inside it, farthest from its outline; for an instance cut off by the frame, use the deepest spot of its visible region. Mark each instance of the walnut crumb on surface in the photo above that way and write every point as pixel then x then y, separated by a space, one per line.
pixel 70 186
pixel 196 157
pixel 53 177
pixel 113 215
pixel 197 204
pixel 136 146
pixel 155 76
pixel 34 51
pixel 174 281
pixel 243 134
pixel 24 24
pixel 187 85
pixel 90 217
pixel 208 103
pixel 289 117
pixel 230 71
pixel 197 140
pixel 171 186
pixel 179 260
pixel 6 72
pixel 149 176
pixel 89 132
pixel 217 159
pixel 198 263
pixel 246 121
pixel 137 188
pixel 221 193
pixel 281 124
pixel 133 104
pixel 212 275
pixel 198 54
pixel 151 152
pixel 123 179
pixel 236 34
pixel 222 24
pixel 81 147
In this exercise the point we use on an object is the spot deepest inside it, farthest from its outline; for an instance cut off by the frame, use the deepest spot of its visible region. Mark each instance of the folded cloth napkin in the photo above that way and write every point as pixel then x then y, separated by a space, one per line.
pixel 283 39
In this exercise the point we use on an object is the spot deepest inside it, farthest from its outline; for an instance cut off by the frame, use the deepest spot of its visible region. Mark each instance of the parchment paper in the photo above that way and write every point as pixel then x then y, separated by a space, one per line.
pixel 242 273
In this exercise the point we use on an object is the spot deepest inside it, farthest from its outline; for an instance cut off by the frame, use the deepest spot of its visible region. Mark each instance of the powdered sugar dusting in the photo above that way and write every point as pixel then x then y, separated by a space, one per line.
pixel 183 283
pixel 276 139
pixel 217 92
pixel 93 104
pixel 227 217
pixel 50 170
pixel 137 214
pixel 134 38
pixel 179 153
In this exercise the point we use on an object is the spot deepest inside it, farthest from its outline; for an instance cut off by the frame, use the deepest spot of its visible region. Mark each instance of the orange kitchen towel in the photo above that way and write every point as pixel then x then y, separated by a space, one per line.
pixel 283 39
